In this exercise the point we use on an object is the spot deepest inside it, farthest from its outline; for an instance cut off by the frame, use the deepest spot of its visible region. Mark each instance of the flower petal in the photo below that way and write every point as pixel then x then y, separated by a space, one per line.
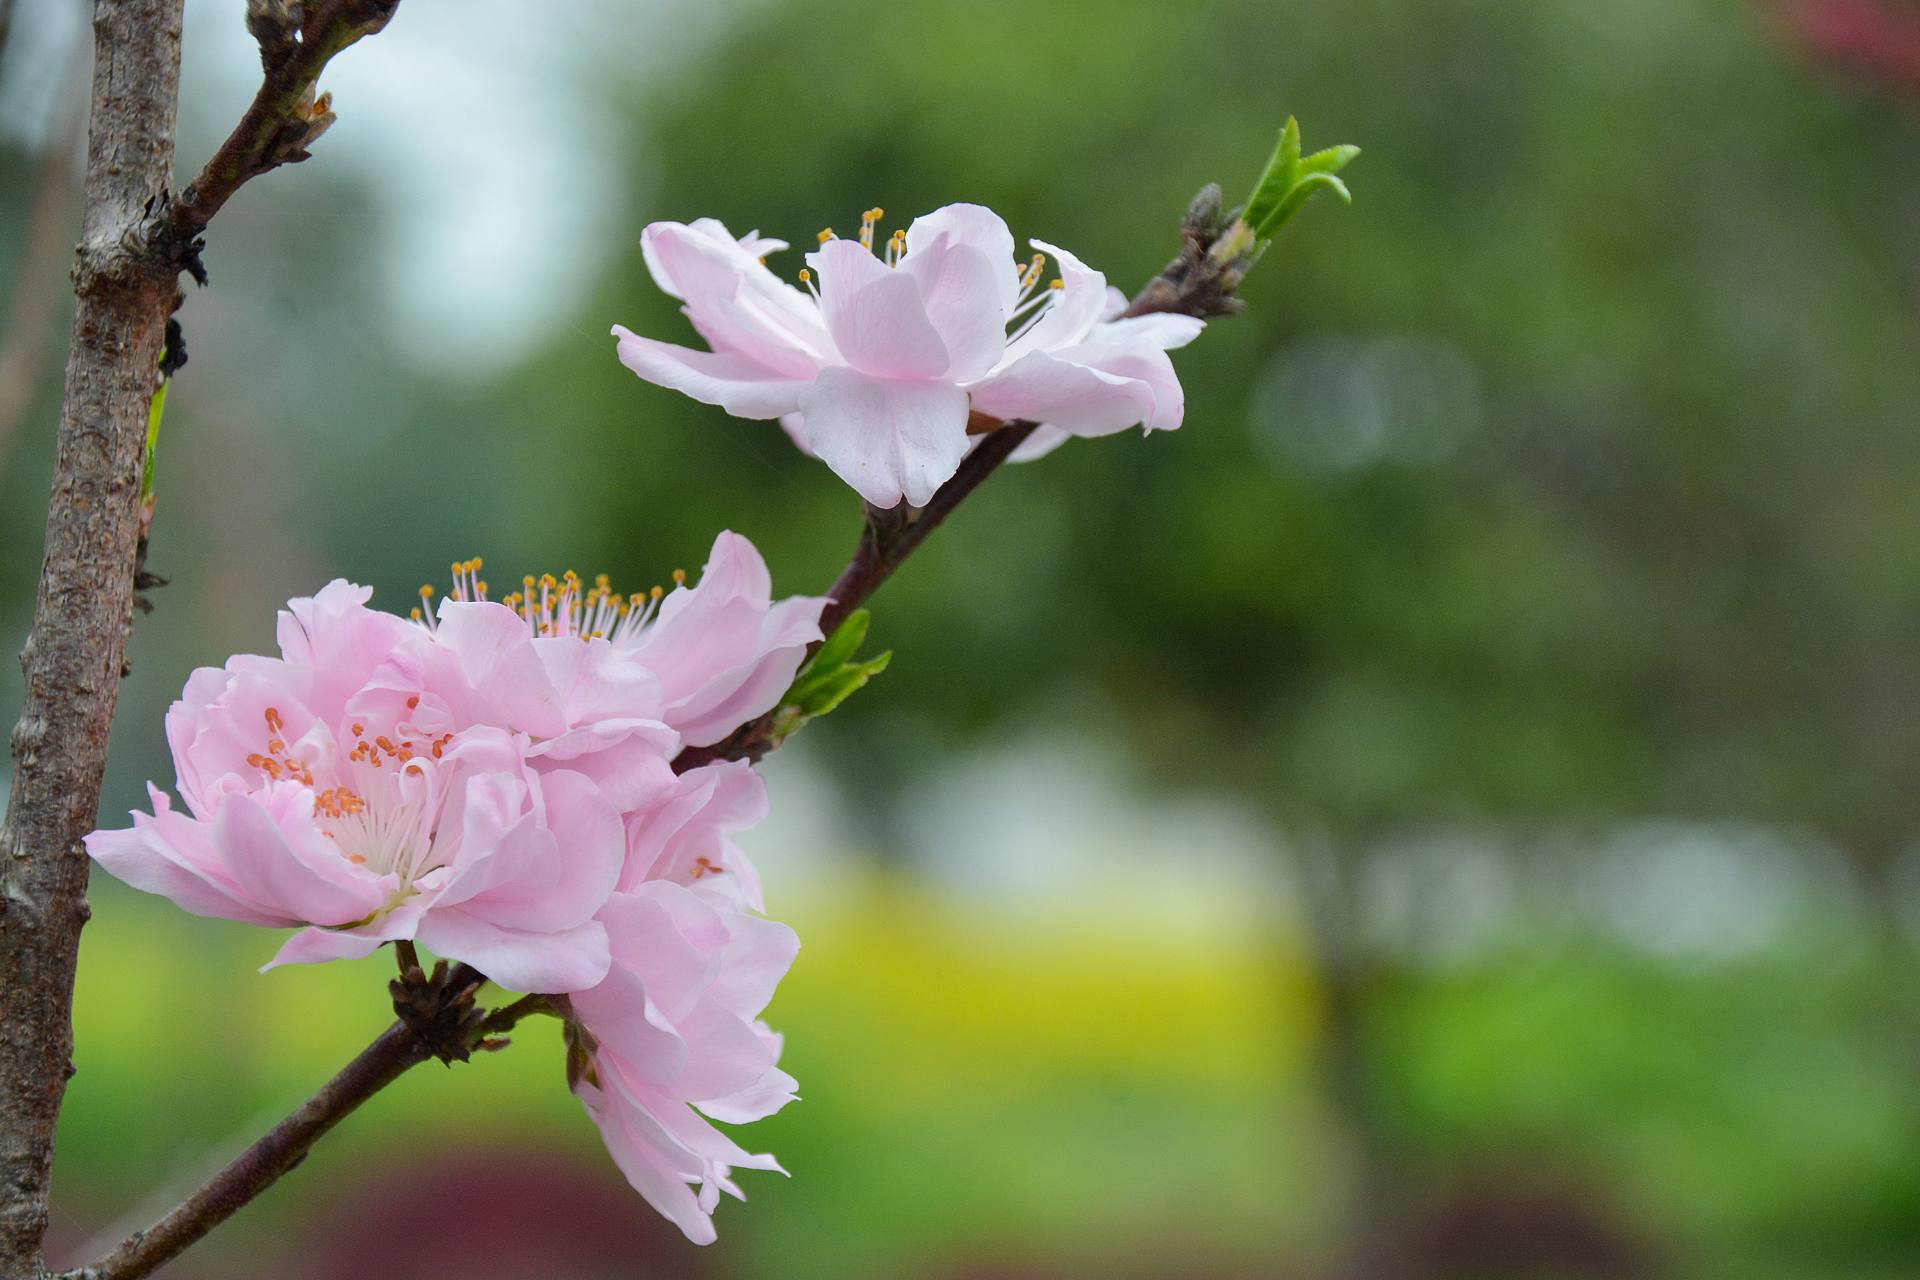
pixel 1159 329
pixel 174 856
pixel 647 1166
pixel 886 439
pixel 272 858
pixel 961 290
pixel 503 675
pixel 1145 365
pixel 876 315
pixel 1071 313
pixel 738 305
pixel 1041 387
pixel 546 963
pixel 976 227
pixel 314 945
pixel 743 387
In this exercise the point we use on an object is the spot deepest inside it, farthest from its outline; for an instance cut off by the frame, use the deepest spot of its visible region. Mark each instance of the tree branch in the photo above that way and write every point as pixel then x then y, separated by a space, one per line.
pixel 135 240
pixel 285 118
pixel 74 652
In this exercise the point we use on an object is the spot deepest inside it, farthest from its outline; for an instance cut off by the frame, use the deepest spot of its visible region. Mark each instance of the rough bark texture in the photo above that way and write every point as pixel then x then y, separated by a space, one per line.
pixel 73 657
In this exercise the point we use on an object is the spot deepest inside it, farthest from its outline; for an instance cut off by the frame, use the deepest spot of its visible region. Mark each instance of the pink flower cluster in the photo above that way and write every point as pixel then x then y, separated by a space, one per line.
pixel 495 781
pixel 878 364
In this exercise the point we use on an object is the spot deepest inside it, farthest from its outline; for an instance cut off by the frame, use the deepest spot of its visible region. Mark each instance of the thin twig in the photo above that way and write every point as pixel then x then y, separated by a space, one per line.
pixel 284 118
pixel 397 1050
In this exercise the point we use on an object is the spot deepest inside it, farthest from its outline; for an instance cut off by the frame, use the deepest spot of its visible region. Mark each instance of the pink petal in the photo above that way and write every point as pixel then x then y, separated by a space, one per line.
pixel 590 846
pixel 1074 310
pixel 962 293
pixel 753 687
pixel 976 227
pixel 339 640
pixel 173 855
pixel 629 760
pixel 1040 387
pixel 494 650
pixel 278 866
pixel 1156 329
pixel 738 305
pixel 718 646
pixel 1147 366
pixel 765 1096
pixel 667 840
pixel 595 681
pixel 546 963
pixel 876 315
pixel 743 387
pixel 647 1167
pixel 628 1023
pixel 314 945
pixel 887 439
pixel 759 953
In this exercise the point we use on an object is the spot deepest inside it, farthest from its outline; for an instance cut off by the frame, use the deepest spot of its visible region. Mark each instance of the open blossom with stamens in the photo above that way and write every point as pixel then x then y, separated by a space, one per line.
pixel 879 362
pixel 467 781
pixel 325 789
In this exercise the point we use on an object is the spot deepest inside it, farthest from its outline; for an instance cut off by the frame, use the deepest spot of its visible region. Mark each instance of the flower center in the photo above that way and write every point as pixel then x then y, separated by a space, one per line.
pixel 1028 305
pixel 381 801
pixel 563 606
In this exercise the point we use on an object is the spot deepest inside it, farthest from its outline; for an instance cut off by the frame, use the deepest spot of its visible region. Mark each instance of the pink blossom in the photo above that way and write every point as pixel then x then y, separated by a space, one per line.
pixel 685 835
pixel 877 365
pixel 467 782
pixel 327 789
pixel 672 1040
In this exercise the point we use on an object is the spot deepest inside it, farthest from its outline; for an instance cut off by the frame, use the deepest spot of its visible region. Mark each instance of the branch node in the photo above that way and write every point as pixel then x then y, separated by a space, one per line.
pixel 440 1013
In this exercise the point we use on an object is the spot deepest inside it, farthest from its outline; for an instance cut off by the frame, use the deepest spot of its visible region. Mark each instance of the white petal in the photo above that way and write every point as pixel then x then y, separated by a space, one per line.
pixel 887 439
pixel 977 227
pixel 1074 310
pixel 1079 400
pixel 741 386
pixel 876 315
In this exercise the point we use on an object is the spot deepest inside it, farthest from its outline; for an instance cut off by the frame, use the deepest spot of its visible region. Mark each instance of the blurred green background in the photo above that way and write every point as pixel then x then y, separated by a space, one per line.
pixel 1448 811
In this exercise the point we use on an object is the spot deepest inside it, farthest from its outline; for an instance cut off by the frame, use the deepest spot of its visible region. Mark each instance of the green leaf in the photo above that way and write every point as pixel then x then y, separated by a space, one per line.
pixel 1278 178
pixel 1289 181
pixel 829 678
pixel 840 646
pixel 156 410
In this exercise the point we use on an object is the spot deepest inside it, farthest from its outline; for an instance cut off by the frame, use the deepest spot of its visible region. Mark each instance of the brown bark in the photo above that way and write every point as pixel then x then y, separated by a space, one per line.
pixel 73 656
pixel 136 238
